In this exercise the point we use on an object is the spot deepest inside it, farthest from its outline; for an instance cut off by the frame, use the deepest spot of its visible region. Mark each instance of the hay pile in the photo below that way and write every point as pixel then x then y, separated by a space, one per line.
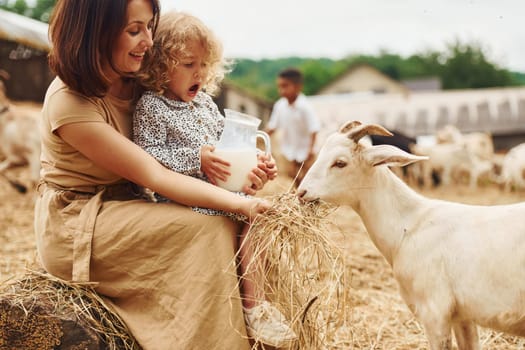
pixel 38 311
pixel 17 239
pixel 303 270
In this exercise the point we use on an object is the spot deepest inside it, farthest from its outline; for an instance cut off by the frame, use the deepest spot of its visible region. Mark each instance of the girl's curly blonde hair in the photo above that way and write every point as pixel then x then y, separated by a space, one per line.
pixel 175 32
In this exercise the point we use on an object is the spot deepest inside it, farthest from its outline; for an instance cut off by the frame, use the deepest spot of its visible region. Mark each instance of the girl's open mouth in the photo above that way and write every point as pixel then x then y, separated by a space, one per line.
pixel 194 88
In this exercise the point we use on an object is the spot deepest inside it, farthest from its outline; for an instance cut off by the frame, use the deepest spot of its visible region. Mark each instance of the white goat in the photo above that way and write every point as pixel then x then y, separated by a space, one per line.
pixel 19 139
pixel 478 148
pixel 479 143
pixel 513 169
pixel 457 265
pixel 448 159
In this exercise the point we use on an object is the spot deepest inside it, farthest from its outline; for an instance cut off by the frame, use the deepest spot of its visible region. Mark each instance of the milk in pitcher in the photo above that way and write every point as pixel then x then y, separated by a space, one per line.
pixel 242 161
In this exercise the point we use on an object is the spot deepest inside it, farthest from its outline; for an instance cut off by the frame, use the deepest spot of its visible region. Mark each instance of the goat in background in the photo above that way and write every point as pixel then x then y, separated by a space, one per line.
pixel 19 139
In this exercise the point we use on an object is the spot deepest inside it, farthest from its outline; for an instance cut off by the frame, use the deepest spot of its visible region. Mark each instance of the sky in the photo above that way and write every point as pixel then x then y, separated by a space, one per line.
pixel 338 28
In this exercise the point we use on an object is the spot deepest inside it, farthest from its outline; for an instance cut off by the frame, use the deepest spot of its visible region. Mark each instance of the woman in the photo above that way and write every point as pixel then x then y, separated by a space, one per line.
pixel 167 270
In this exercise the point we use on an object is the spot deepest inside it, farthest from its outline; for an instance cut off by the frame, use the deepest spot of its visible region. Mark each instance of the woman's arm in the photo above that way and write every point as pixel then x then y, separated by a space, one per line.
pixel 109 149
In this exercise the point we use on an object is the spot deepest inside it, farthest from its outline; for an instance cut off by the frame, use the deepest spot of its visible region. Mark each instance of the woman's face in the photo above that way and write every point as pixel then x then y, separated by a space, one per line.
pixel 135 39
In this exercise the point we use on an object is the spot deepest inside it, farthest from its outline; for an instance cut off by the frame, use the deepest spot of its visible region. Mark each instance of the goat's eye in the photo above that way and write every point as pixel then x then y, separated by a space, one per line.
pixel 340 163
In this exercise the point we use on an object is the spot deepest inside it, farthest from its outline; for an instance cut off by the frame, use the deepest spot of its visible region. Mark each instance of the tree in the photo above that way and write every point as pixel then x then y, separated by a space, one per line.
pixel 19 6
pixel 42 10
pixel 459 66
pixel 466 66
pixel 318 72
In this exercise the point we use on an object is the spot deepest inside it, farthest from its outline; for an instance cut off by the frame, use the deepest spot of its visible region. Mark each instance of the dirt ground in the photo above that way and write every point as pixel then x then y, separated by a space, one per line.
pixel 379 318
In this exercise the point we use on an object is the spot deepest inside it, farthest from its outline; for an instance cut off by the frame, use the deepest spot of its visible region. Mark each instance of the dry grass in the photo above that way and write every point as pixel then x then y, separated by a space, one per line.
pixel 65 298
pixel 17 241
pixel 376 316
pixel 304 271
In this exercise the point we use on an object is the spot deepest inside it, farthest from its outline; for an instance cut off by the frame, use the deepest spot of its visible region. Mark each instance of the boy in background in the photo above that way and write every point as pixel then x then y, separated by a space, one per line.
pixel 295 117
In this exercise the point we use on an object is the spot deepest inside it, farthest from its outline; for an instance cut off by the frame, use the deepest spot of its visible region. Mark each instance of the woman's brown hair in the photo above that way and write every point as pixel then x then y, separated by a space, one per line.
pixel 82 34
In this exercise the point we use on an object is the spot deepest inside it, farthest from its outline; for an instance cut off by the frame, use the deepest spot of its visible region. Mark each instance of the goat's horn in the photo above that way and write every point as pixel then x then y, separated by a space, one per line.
pixel 349 126
pixel 371 129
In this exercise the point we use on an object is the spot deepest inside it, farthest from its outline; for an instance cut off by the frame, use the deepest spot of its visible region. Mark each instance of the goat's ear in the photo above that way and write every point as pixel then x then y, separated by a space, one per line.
pixel 389 155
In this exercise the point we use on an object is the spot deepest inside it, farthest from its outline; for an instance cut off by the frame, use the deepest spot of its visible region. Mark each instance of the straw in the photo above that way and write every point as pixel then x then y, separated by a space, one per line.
pixel 303 272
pixel 62 296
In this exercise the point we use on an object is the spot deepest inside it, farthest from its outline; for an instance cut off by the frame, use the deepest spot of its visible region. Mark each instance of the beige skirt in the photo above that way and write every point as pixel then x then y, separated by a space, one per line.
pixel 168 271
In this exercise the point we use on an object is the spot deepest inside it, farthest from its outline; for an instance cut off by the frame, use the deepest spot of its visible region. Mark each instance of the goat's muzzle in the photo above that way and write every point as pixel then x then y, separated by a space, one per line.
pixel 303 198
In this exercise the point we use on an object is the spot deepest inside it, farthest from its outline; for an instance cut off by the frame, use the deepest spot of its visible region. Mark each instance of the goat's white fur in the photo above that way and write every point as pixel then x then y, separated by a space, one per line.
pixel 513 169
pixel 19 137
pixel 455 153
pixel 457 265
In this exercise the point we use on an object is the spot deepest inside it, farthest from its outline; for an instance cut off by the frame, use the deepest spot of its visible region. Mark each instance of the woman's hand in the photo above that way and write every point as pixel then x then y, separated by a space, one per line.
pixel 213 166
pixel 254 206
pixel 266 170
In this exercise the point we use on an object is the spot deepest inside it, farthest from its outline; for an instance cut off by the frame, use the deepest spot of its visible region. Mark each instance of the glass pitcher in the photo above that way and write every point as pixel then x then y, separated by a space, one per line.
pixel 238 146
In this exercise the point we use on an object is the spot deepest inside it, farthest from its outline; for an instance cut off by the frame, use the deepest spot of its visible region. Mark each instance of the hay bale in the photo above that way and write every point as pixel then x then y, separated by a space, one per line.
pixel 39 328
pixel 39 311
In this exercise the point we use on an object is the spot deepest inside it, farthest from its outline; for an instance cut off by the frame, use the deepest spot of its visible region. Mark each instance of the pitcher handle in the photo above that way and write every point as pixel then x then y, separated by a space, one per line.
pixel 266 139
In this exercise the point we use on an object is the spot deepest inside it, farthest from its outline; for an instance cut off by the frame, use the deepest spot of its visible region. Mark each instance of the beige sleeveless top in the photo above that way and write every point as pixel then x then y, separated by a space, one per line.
pixel 62 164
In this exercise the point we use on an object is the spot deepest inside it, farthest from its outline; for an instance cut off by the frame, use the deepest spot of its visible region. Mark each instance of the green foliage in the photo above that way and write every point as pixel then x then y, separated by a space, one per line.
pixel 467 66
pixel 20 7
pixel 517 77
pixel 41 10
pixel 319 72
pixel 260 76
pixel 460 66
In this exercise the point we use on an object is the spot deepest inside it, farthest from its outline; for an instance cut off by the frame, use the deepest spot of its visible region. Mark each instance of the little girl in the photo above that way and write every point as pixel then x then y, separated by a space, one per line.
pixel 178 123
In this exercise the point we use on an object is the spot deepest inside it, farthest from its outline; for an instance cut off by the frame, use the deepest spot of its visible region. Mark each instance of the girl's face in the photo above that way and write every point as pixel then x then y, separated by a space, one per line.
pixel 135 39
pixel 187 78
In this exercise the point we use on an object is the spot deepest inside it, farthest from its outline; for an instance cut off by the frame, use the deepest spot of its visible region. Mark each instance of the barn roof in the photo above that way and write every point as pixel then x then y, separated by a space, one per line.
pixel 23 30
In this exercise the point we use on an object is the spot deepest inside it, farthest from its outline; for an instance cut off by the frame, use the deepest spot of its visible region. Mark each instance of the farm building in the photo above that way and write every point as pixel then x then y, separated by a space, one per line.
pixel 23 55
pixel 233 97
pixel 419 107
pixel 498 111
pixel 363 77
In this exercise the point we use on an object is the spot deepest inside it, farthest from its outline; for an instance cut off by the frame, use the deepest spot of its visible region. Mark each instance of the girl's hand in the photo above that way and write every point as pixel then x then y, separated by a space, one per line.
pixel 213 166
pixel 266 170
pixel 267 164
